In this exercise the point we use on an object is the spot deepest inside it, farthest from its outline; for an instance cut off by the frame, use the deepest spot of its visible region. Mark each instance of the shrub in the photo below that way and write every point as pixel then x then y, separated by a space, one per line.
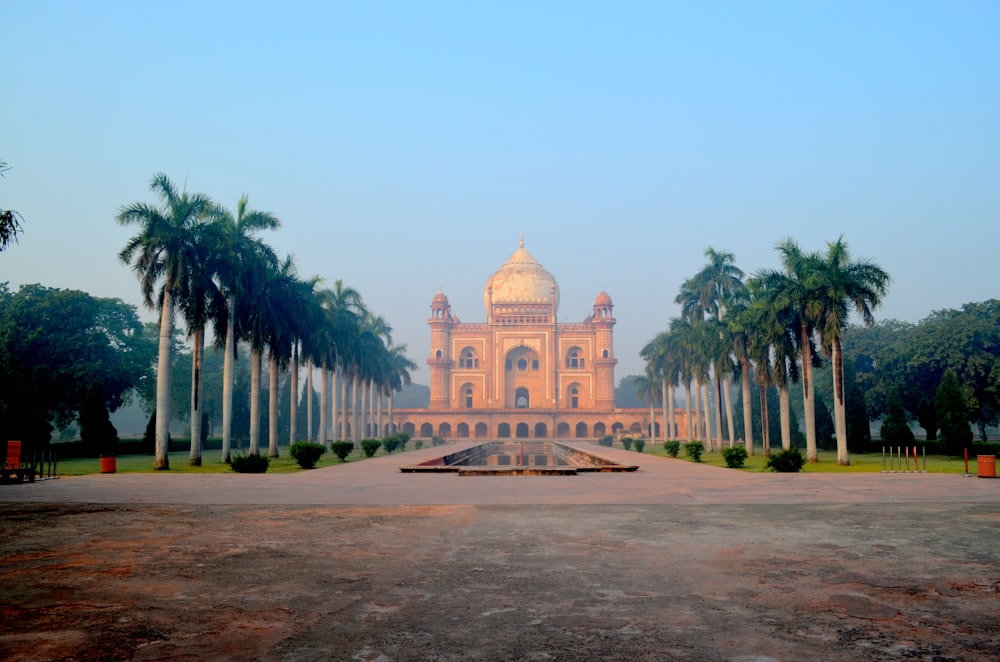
pixel 639 445
pixel 390 443
pixel 735 456
pixel 342 449
pixel 694 449
pixel 437 441
pixel 418 444
pixel 249 464
pixel 672 448
pixel 370 446
pixel 606 440
pixel 627 443
pixel 403 438
pixel 789 461
pixel 307 453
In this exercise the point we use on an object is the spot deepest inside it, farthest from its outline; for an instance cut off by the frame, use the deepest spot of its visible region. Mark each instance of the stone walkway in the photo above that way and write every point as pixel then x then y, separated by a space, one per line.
pixel 361 562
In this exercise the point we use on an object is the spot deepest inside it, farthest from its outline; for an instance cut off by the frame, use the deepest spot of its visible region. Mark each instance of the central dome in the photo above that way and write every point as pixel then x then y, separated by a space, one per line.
pixel 521 279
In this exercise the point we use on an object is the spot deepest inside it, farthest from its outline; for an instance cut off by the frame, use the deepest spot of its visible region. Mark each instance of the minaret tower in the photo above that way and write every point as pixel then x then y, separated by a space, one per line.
pixel 604 360
pixel 440 362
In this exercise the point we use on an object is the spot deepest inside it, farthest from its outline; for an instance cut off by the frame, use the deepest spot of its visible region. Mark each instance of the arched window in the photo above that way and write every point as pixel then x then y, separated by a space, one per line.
pixel 573 358
pixel 480 430
pixel 541 431
pixel 468 398
pixel 463 430
pixel 522 399
pixel 437 354
pixel 468 359
pixel 522 365
pixel 426 430
pixel 503 430
pixel 581 430
pixel 574 398
pixel 522 431
pixel 605 354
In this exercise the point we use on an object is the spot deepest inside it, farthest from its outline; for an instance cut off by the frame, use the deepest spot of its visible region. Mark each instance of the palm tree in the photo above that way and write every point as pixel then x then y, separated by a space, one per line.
pixel 397 377
pixel 344 308
pixel 845 285
pixel 778 328
pixel 796 288
pixel 648 388
pixel 722 284
pixel 201 303
pixel 243 258
pixel 740 329
pixel 162 252
pixel 279 311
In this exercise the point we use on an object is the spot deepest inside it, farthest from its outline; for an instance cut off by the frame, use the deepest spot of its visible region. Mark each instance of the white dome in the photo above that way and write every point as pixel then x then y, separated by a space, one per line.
pixel 521 279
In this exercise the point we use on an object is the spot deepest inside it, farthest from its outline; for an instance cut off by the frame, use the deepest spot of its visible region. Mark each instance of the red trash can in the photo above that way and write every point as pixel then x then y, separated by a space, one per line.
pixel 109 464
pixel 987 466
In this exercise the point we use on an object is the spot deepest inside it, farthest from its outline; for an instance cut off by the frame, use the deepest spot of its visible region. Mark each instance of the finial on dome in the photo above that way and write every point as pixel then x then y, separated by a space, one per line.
pixel 522 239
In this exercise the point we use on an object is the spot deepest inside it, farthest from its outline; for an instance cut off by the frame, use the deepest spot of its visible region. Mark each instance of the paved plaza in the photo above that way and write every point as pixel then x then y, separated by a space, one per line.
pixel 676 561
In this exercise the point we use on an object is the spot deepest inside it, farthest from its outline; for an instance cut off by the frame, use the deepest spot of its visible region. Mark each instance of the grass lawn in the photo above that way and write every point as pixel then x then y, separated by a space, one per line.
pixel 210 462
pixel 864 463
pixel 860 462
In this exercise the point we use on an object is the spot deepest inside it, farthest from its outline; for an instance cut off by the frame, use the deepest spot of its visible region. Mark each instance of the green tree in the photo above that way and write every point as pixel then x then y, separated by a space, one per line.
pixel 825 429
pixel 161 253
pixel 97 432
pixel 895 430
pixel 953 414
pixel 54 344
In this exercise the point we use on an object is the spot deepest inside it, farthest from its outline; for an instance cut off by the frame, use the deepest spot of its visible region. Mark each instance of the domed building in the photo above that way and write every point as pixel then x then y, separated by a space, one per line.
pixel 523 373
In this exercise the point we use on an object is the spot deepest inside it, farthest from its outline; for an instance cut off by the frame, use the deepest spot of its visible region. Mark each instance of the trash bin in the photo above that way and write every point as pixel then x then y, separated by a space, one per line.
pixel 987 466
pixel 109 464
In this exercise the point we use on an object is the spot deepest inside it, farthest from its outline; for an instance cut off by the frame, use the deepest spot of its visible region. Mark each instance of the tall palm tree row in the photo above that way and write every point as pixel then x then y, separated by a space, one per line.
pixel 197 258
pixel 770 327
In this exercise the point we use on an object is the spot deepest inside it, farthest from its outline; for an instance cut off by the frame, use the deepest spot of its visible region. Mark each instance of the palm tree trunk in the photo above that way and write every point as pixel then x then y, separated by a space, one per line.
pixel 808 401
pixel 839 404
pixel 227 383
pixel 309 401
pixel 272 405
pixel 255 367
pixel 197 352
pixel 765 437
pixel 324 394
pixel 392 421
pixel 378 415
pixel 747 405
pixel 355 418
pixel 343 402
pixel 690 410
pixel 334 409
pixel 671 424
pixel 728 393
pixel 706 430
pixel 293 389
pixel 784 402
pixel 161 460
pixel 717 393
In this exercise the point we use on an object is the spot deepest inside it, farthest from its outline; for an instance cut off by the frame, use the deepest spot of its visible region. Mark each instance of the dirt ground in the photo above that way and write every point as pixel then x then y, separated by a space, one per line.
pixel 913 580
pixel 498 583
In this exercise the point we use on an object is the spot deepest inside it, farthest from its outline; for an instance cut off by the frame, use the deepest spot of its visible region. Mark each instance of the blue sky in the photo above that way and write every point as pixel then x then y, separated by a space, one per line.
pixel 406 145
